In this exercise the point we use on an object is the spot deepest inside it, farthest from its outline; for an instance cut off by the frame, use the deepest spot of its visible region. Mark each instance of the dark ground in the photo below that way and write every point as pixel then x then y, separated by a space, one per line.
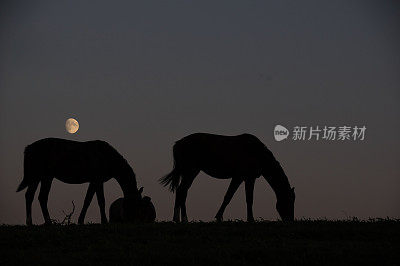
pixel 322 242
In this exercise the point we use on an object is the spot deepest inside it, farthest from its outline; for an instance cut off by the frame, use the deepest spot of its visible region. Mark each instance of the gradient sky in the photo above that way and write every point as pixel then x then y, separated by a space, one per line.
pixel 143 74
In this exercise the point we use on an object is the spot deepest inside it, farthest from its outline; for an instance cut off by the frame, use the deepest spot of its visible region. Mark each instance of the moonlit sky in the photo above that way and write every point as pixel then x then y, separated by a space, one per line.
pixel 143 74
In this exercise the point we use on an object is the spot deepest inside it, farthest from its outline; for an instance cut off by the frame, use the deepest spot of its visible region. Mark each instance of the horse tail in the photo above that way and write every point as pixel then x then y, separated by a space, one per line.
pixel 27 171
pixel 22 185
pixel 173 178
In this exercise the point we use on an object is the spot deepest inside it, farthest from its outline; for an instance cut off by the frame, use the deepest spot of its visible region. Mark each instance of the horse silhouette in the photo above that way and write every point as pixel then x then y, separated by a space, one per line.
pixel 73 162
pixel 126 210
pixel 241 158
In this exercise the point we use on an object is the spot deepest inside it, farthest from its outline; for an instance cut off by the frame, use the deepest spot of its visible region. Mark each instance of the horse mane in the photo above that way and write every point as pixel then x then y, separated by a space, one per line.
pixel 277 176
pixel 120 159
pixel 125 175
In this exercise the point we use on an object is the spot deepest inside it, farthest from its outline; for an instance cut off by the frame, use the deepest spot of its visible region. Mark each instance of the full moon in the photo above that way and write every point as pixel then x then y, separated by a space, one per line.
pixel 71 125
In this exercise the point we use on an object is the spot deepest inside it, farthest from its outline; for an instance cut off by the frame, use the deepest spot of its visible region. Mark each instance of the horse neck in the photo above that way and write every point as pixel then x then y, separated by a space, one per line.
pixel 128 184
pixel 278 180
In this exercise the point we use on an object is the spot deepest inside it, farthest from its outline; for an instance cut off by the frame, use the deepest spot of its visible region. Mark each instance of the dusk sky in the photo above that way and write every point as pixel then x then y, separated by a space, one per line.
pixel 143 74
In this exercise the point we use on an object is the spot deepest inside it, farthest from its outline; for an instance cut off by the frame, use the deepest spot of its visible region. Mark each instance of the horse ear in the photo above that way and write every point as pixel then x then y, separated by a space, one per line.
pixel 141 190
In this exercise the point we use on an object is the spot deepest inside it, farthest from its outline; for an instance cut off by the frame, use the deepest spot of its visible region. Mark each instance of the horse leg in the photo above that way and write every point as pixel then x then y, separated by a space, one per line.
pixel 181 194
pixel 45 185
pixel 102 202
pixel 249 186
pixel 187 180
pixel 88 199
pixel 233 186
pixel 29 194
pixel 182 202
pixel 176 208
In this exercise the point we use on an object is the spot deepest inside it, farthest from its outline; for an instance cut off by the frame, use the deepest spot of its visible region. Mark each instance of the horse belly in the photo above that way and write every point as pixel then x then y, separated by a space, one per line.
pixel 73 179
pixel 217 174
pixel 231 166
pixel 78 173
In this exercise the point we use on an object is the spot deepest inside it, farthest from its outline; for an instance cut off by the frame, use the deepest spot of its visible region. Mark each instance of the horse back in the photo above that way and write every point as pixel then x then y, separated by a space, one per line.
pixel 222 156
pixel 63 158
pixel 219 144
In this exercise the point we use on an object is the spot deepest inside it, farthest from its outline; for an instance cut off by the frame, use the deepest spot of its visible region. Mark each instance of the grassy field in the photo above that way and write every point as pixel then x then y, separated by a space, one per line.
pixel 229 243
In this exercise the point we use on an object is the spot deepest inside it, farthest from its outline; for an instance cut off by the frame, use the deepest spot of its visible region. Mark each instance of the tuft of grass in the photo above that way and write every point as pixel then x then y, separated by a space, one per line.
pixel 303 242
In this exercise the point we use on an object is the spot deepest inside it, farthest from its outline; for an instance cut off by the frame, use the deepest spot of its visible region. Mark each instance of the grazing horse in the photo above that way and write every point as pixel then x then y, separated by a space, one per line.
pixel 73 162
pixel 241 158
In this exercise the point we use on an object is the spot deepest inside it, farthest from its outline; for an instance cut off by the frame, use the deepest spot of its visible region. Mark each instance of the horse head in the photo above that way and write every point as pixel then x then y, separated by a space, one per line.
pixel 134 197
pixel 285 205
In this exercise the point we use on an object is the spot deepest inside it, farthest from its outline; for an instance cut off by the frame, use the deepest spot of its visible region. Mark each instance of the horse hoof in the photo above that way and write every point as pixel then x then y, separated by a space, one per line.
pixel 218 219
pixel 176 219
